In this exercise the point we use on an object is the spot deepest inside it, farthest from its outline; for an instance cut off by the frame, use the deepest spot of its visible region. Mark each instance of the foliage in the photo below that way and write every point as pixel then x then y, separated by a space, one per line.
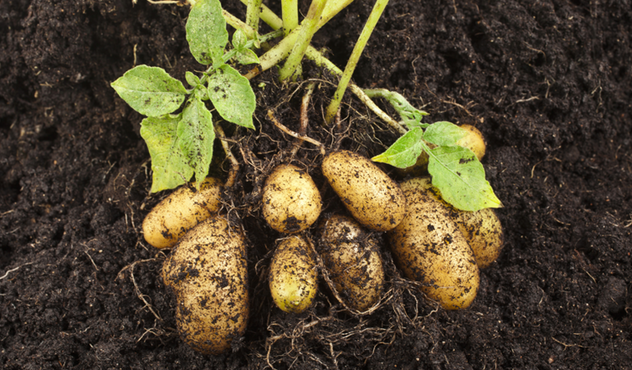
pixel 455 170
pixel 180 137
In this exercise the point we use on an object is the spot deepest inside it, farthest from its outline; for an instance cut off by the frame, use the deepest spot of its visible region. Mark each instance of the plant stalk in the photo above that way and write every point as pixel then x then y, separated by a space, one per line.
pixel 321 61
pixel 268 59
pixel 252 16
pixel 374 17
pixel 309 26
pixel 289 13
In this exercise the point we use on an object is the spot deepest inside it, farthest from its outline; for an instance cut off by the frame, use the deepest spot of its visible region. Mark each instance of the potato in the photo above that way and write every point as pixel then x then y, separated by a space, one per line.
pixel 293 275
pixel 207 273
pixel 291 201
pixel 482 229
pixel 373 199
pixel 353 260
pixel 180 211
pixel 429 247
pixel 474 141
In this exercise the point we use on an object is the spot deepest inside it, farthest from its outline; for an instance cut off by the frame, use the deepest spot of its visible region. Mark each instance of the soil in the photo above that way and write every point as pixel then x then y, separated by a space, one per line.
pixel 547 82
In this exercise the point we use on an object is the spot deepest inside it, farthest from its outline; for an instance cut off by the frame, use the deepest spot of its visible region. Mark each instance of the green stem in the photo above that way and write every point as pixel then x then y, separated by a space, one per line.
pixel 281 50
pixel 289 13
pixel 309 26
pixel 239 25
pixel 332 8
pixel 321 61
pixel 268 59
pixel 252 15
pixel 376 13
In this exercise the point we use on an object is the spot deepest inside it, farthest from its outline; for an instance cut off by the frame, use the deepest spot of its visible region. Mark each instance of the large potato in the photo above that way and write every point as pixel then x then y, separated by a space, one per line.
pixel 429 247
pixel 180 211
pixel 207 272
pixel 291 201
pixel 373 198
pixel 482 228
pixel 293 275
pixel 353 260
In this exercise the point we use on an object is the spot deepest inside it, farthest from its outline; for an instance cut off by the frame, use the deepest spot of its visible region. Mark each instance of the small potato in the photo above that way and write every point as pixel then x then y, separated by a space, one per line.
pixel 373 198
pixel 291 201
pixel 208 274
pixel 180 211
pixel 428 247
pixel 482 229
pixel 293 275
pixel 353 260
pixel 474 141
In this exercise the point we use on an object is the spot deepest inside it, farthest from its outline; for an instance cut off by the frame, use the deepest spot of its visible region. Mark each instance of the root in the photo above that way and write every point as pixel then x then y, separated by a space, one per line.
pixel 281 127
pixel 234 164
pixel 304 119
pixel 140 295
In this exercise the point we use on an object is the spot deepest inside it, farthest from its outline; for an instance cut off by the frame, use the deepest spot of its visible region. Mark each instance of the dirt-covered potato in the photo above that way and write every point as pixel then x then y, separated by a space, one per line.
pixel 291 201
pixel 180 211
pixel 293 275
pixel 353 260
pixel 208 274
pixel 373 198
pixel 482 229
pixel 429 247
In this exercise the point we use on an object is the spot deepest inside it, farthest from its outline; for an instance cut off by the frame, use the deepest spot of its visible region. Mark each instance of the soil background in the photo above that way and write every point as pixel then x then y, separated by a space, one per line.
pixel 549 84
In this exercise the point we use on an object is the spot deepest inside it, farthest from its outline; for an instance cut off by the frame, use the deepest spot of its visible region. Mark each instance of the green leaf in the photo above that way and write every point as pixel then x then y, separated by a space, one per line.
pixel 247 56
pixel 170 167
pixel 191 78
pixel 150 90
pixel 405 151
pixel 444 133
pixel 232 96
pixel 196 136
pixel 411 116
pixel 239 39
pixel 460 177
pixel 206 32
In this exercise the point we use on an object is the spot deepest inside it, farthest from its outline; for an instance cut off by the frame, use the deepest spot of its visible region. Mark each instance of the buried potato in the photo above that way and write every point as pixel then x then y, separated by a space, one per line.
pixel 353 260
pixel 293 275
pixel 208 274
pixel 429 248
pixel 482 228
pixel 372 198
pixel 180 211
pixel 291 201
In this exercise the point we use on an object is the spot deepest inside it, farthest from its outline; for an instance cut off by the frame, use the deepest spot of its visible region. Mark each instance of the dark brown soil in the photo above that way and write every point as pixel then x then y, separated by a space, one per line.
pixel 549 84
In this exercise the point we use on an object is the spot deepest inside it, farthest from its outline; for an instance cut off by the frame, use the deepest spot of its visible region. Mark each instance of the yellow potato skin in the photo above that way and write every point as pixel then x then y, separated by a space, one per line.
pixel 291 201
pixel 293 276
pixel 208 274
pixel 353 261
pixel 372 198
pixel 180 211
pixel 428 247
pixel 474 141
pixel 482 228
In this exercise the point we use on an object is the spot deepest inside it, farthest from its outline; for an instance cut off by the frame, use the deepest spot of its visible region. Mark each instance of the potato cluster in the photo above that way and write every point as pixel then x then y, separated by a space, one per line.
pixel 432 243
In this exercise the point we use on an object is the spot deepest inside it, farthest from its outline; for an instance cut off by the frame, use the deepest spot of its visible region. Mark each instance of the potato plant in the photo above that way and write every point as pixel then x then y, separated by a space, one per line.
pixel 207 268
